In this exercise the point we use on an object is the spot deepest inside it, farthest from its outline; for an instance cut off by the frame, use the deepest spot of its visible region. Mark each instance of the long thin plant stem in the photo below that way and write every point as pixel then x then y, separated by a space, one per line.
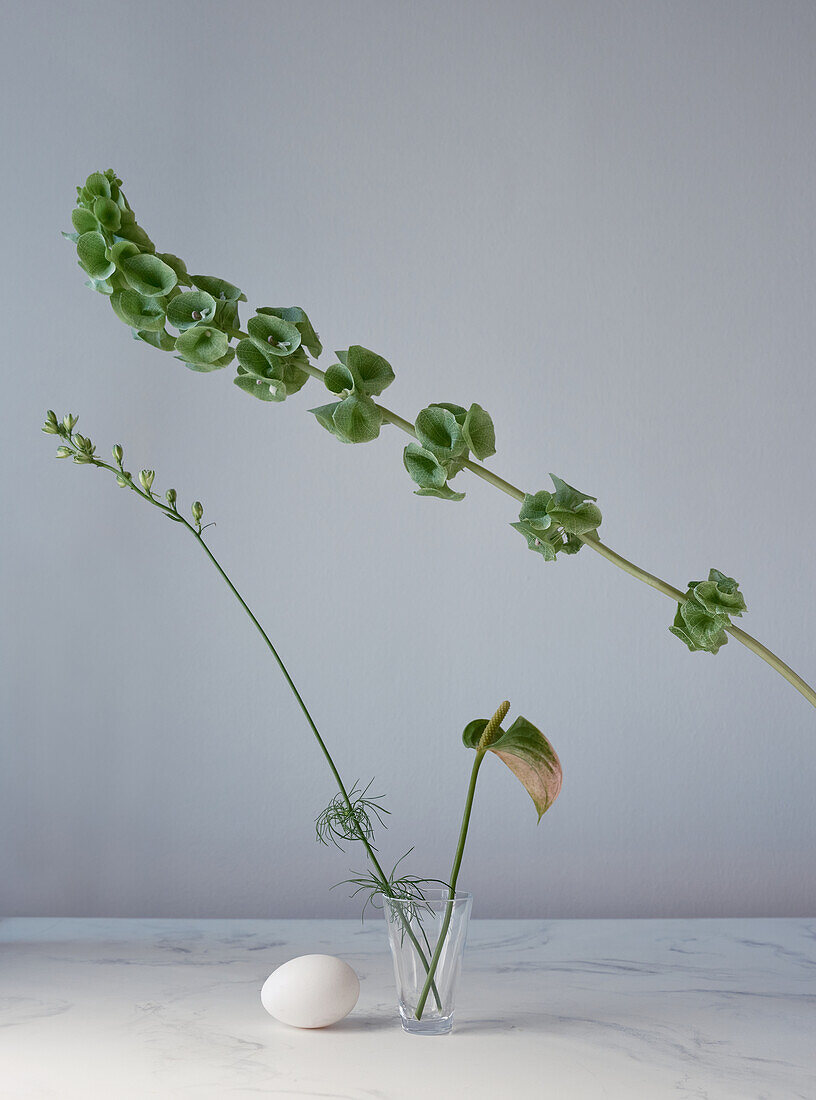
pixel 195 530
pixel 460 848
pixel 380 873
pixel 488 735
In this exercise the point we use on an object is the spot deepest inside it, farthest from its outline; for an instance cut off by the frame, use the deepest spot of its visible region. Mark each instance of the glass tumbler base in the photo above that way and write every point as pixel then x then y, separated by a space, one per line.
pixel 431 1026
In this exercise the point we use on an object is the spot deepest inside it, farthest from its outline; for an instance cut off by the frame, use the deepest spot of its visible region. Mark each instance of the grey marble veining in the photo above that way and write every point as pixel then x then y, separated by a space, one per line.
pixel 703 1009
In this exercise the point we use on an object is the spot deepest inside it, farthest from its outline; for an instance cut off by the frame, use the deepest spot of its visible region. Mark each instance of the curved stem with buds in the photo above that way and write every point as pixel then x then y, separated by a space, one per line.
pixel 82 451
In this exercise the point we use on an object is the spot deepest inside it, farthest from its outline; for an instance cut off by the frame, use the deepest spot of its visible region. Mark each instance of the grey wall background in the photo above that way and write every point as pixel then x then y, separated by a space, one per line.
pixel 596 219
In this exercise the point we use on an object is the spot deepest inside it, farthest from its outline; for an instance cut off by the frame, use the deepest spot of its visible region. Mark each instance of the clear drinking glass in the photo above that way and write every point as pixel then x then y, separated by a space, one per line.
pixel 414 930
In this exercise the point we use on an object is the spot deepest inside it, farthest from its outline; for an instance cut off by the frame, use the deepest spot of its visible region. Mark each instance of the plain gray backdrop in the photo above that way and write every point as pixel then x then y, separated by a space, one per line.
pixel 596 220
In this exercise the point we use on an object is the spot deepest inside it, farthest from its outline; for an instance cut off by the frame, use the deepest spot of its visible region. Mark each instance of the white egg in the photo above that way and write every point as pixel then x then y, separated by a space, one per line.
pixel 311 991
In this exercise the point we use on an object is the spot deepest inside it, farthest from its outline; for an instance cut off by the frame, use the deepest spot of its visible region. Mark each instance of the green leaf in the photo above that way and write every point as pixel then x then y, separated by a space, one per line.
pixel 97 184
pixel 130 231
pixel 177 265
pixel 220 289
pixel 294 374
pixel 339 379
pixel 701 620
pixel 438 431
pixel 226 315
pixel 297 317
pixel 102 286
pixel 92 253
pixel 586 517
pixel 263 389
pixel 273 335
pixel 534 510
pixel 107 213
pixel 190 307
pixel 138 311
pixel 547 544
pixel 201 345
pixel 566 496
pixel 719 595
pixel 532 759
pixel 529 756
pixel 357 419
pixel 121 251
pixel 424 467
pixel 571 545
pixel 203 367
pixel 704 630
pixel 678 628
pixel 256 363
pixel 161 340
pixel 83 220
pixel 472 733
pixel 149 275
pixel 479 432
pixel 374 373
pixel 570 508
pixel 445 493
pixel 459 413
pixel 324 415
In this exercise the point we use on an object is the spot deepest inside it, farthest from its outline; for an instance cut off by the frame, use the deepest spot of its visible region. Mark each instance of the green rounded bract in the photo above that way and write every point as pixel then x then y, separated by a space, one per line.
pixel 148 274
pixel 273 335
pixel 92 255
pixel 220 289
pixel 552 522
pixel 701 619
pixel 189 307
pixel 121 250
pixel 83 220
pixel 107 213
pixel 138 311
pixel 254 361
pixel 296 316
pixel 202 344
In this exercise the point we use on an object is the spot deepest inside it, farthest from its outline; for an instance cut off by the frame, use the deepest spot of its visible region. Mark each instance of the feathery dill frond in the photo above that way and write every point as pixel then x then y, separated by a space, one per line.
pixel 342 821
pixel 406 888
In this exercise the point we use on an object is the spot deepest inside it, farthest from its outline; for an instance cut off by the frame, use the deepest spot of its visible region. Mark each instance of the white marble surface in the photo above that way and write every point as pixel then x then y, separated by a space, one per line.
pixel 568 1010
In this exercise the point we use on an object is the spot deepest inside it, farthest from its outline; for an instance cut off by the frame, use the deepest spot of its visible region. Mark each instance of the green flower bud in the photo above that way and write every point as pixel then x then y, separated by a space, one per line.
pixel 64 452
pixel 68 421
pixel 197 510
pixel 118 454
pixel 171 496
pixel 50 429
pixel 123 480
pixel 146 478
pixel 81 459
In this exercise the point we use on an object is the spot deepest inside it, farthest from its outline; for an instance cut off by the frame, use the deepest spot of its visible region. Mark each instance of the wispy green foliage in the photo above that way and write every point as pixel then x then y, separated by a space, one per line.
pixel 351 818
pixel 407 888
